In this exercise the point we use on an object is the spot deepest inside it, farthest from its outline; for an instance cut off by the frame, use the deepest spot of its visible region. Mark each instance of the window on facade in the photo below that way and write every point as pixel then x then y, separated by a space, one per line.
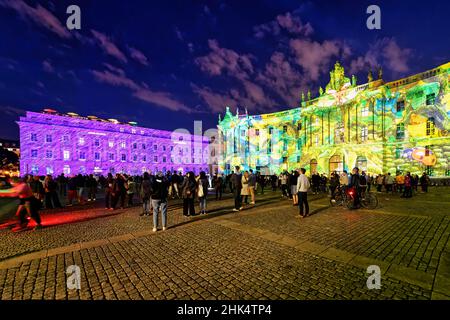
pixel 284 129
pixel 34 169
pixel 400 132
pixel 133 131
pixel 171 148
pixel 66 155
pixel 34 153
pixel 284 159
pixel 82 155
pixel 96 142
pixel 155 147
pixel 124 157
pixel 134 145
pixel 270 130
pixel 135 158
pixel 257 132
pixel 155 159
pixel 48 138
pixel 33 137
pixel 430 99
pixel 269 146
pixel 49 154
pixel 398 153
pixel 143 146
pixel 97 156
pixel 299 126
pixel 144 158
pixel 164 148
pixel 365 110
pixel 364 133
pixel 431 128
pixel 111 144
pixel 400 106
pixel 123 145
pixel 339 133
pixel 81 141
pixel 164 159
pixel 66 170
pixel 285 146
pixel 111 156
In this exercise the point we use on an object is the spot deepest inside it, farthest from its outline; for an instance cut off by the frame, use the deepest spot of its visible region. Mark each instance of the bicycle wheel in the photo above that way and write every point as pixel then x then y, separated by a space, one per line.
pixel 370 201
pixel 337 201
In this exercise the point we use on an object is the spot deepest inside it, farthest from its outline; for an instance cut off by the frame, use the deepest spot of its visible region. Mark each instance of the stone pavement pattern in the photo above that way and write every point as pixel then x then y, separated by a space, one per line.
pixel 261 253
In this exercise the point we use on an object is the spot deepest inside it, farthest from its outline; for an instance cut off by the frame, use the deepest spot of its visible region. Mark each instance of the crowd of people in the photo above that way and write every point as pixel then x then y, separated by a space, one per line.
pixel 153 191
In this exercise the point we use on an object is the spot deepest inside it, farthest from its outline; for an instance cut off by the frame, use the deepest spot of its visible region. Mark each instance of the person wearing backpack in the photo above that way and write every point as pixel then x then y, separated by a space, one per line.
pixel 203 185
pixel 160 193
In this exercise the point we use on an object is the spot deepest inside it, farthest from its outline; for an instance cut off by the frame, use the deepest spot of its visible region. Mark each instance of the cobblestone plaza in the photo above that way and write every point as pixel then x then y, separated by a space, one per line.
pixel 262 252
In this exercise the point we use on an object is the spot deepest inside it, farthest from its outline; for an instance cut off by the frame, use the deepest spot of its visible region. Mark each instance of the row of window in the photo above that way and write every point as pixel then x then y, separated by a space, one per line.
pixel 97 156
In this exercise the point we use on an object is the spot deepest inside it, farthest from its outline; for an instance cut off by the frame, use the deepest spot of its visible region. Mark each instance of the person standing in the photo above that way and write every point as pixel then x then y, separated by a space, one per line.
pixel 203 185
pixel 131 190
pixel 284 182
pixel 188 190
pixel 236 183
pixel 160 192
pixel 218 185
pixel 424 182
pixel 37 188
pixel 334 183
pixel 400 179
pixel 119 191
pixel 355 183
pixel 146 192
pixel 293 183
pixel 72 190
pixel 343 179
pixel 91 184
pixel 407 193
pixel 109 182
pixel 389 180
pixel 244 190
pixel 302 191
pixel 252 186
pixel 51 194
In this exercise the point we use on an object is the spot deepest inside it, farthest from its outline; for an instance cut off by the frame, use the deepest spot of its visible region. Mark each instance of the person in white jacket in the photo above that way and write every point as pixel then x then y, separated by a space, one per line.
pixel 302 190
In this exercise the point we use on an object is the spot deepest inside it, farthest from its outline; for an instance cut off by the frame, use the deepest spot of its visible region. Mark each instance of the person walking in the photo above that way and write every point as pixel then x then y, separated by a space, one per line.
pixel 188 190
pixel 37 188
pixel 160 193
pixel 236 182
pixel 302 191
pixel 146 192
pixel 81 183
pixel 244 189
pixel 252 186
pixel 28 203
pixel 203 185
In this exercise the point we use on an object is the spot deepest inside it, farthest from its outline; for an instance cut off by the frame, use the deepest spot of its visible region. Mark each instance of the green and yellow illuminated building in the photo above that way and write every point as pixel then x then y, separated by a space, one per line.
pixel 380 127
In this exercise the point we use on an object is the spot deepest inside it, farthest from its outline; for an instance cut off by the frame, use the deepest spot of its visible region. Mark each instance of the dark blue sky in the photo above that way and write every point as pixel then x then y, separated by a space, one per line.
pixel 165 64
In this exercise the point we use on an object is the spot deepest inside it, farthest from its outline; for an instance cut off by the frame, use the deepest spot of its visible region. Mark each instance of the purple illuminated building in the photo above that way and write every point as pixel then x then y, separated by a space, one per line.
pixel 53 143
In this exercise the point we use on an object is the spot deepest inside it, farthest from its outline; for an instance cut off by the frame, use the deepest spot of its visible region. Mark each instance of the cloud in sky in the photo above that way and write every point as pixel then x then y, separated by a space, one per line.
pixel 39 16
pixel 283 22
pixel 138 56
pixel 116 77
pixel 109 46
pixel 384 52
pixel 47 66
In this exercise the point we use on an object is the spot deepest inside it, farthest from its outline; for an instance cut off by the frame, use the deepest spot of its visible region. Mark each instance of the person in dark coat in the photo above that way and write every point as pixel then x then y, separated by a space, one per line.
pixel 188 191
pixel 236 182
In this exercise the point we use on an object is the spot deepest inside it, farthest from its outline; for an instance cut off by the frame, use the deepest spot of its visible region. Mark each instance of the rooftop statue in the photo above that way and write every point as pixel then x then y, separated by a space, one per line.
pixel 338 80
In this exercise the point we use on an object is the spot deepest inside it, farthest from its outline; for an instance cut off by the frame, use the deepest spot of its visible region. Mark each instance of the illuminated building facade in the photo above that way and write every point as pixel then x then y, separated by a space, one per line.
pixel 380 127
pixel 53 143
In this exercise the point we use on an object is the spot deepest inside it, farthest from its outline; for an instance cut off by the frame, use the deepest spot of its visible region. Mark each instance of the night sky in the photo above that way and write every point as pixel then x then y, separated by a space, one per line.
pixel 165 64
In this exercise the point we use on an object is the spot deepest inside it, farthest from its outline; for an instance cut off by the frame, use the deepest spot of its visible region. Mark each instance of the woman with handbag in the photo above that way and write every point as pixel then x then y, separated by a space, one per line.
pixel 203 185
pixel 188 190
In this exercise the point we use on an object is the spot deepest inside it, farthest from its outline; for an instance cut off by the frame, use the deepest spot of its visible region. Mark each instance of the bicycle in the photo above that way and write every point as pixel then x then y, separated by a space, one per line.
pixel 368 200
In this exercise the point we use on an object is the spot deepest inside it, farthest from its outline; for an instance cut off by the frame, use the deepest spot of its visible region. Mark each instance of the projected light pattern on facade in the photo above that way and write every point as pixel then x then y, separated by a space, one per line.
pixel 53 144
pixel 380 127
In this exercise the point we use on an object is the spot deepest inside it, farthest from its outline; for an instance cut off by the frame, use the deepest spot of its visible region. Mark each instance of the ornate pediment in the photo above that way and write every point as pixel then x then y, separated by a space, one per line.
pixel 338 80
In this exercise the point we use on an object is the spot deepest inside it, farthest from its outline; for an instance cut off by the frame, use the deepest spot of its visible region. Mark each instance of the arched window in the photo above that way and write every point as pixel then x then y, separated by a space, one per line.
pixel 430 126
pixel 336 164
